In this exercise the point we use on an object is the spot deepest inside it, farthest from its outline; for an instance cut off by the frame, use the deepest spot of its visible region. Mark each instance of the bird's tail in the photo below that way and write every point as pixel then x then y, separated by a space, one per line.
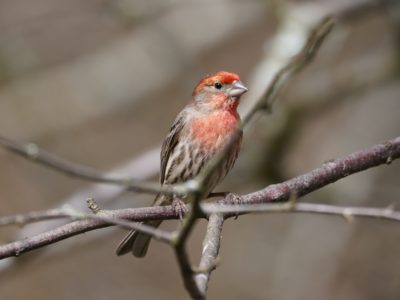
pixel 138 242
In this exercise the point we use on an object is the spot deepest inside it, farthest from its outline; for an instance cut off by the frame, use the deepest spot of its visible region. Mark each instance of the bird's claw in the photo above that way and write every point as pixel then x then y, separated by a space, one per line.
pixel 179 207
pixel 233 200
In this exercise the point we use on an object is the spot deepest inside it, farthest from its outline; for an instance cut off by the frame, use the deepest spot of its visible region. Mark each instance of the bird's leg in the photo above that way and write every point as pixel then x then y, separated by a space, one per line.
pixel 179 207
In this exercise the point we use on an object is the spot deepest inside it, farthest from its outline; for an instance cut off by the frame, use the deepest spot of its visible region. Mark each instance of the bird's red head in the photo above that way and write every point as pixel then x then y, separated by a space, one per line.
pixel 221 89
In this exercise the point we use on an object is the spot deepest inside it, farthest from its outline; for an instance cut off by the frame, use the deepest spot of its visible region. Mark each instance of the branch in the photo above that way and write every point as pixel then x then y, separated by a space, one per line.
pixel 301 185
pixel 109 219
pixel 330 172
pixel 295 65
pixel 209 255
pixel 348 212
pixel 33 216
pixel 77 227
pixel 33 152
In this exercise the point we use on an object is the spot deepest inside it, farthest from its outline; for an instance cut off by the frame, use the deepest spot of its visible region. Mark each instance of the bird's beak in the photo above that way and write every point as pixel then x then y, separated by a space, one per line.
pixel 237 89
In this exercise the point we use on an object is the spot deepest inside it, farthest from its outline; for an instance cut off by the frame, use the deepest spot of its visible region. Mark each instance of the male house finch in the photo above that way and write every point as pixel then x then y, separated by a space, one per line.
pixel 199 133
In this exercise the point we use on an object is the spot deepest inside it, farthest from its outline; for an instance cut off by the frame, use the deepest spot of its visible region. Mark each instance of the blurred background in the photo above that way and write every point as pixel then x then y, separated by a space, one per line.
pixel 99 82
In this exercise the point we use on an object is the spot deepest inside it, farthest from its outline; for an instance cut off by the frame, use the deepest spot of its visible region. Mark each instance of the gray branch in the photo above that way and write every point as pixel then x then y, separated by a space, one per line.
pixel 210 252
pixel 33 152
pixel 330 172
pixel 348 212
pixel 301 185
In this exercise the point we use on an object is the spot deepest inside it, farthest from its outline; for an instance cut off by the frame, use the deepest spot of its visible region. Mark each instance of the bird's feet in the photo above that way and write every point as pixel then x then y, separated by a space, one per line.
pixel 179 207
pixel 228 197
pixel 232 199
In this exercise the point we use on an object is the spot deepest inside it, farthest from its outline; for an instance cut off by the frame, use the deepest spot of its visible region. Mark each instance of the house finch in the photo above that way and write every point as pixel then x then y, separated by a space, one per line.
pixel 199 133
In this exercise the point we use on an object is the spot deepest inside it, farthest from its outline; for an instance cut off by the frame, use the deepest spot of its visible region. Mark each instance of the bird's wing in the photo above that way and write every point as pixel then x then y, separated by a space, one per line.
pixel 170 142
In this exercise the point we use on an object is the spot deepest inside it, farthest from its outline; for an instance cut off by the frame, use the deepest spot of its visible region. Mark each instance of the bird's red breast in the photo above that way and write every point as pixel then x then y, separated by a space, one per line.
pixel 213 131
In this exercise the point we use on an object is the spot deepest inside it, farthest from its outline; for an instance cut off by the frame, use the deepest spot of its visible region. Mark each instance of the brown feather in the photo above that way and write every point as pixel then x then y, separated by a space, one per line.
pixel 170 143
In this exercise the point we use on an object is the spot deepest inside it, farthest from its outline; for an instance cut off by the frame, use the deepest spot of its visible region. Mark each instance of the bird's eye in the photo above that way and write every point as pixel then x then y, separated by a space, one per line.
pixel 218 85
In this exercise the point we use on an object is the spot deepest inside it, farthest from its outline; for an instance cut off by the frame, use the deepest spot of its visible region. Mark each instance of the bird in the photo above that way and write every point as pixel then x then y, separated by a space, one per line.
pixel 199 133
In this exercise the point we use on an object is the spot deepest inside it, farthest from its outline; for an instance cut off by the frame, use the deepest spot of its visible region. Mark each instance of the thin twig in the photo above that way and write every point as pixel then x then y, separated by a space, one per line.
pixel 85 223
pixel 33 152
pixel 104 216
pixel 133 214
pixel 298 62
pixel 348 212
pixel 33 216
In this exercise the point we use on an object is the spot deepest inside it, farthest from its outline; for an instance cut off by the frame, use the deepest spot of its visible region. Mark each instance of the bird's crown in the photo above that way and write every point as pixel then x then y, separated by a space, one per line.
pixel 222 77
